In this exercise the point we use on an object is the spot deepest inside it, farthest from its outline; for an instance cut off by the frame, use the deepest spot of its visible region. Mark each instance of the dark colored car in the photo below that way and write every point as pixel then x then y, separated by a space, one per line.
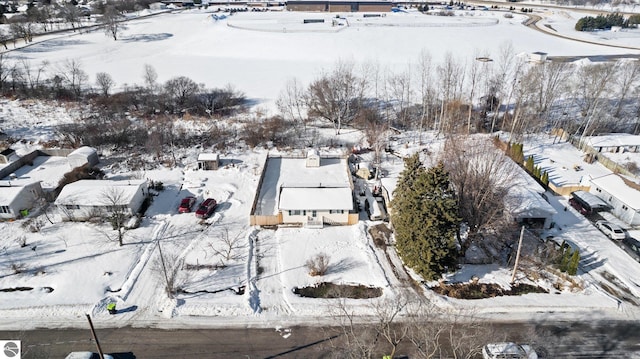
pixel 186 204
pixel 581 207
pixel 206 208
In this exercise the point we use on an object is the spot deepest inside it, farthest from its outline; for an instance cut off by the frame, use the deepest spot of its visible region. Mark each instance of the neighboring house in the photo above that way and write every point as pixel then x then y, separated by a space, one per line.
pixel 208 161
pixel 525 202
pixel 157 6
pixel 527 206
pixel 619 142
pixel 621 195
pixel 311 191
pixel 82 156
pixel 85 199
pixel 17 200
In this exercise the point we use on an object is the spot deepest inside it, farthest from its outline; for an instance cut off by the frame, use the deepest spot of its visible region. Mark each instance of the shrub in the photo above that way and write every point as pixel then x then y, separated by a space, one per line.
pixel 318 264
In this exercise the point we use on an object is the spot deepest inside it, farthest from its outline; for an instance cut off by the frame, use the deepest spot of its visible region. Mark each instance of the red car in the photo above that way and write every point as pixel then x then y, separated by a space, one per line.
pixel 186 204
pixel 206 208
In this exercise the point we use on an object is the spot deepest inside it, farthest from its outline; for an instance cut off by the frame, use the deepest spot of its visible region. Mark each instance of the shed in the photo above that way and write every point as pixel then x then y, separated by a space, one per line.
pixel 208 161
pixel 8 155
pixel 538 57
pixel 16 201
pixel 82 156
pixel 313 158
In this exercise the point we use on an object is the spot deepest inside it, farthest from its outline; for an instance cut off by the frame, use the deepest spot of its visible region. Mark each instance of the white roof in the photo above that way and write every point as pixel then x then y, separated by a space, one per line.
pixel 614 140
pixel 524 202
pixel 93 192
pixel 319 198
pixel 208 157
pixel 614 184
pixel 84 151
pixel 9 194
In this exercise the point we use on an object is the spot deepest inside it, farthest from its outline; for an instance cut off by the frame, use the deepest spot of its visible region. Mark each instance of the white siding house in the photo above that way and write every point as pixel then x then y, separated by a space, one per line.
pixel 623 199
pixel 17 198
pixel 316 205
pixel 84 199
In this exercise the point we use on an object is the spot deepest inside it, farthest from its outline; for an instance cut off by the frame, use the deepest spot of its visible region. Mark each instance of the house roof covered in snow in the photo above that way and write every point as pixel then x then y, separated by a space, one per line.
pixel 616 186
pixel 613 140
pixel 523 202
pixel 99 192
pixel 318 198
pixel 9 194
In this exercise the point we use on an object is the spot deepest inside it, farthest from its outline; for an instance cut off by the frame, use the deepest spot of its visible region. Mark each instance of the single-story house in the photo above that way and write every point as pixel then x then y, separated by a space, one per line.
pixel 17 200
pixel 527 206
pixel 621 194
pixel 304 190
pixel 314 206
pixel 208 161
pixel 84 199
pixel 82 156
pixel 619 142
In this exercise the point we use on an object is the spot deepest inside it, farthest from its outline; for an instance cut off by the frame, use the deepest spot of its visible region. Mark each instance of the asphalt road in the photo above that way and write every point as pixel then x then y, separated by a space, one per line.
pixel 583 339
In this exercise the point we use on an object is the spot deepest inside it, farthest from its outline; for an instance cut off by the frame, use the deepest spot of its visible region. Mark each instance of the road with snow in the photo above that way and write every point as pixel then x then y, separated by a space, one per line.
pixel 553 340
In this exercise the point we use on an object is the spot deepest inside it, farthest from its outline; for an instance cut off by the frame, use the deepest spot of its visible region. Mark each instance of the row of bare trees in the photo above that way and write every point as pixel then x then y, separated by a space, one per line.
pixel 481 94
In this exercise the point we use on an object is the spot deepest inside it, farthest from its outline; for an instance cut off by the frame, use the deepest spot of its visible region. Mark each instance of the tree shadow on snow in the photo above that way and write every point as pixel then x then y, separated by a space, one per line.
pixel 147 37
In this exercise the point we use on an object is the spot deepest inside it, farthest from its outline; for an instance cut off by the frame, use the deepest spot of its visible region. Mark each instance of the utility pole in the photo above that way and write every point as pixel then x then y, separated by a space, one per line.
pixel 95 337
pixel 515 266
pixel 164 269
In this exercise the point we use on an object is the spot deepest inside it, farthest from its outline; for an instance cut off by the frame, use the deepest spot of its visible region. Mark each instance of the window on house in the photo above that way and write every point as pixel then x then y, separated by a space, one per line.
pixel 71 206
pixel 624 208
pixel 295 212
pixel 314 213
pixel 5 209
pixel 598 190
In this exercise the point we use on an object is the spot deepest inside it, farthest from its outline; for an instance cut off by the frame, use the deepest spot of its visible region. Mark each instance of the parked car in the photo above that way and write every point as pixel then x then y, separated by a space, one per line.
pixel 611 230
pixel 508 351
pixel 581 207
pixel 206 208
pixel 186 204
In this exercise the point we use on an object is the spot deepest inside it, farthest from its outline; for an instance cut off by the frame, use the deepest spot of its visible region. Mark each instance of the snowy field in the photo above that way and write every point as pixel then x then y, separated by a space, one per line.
pixel 258 53
pixel 230 273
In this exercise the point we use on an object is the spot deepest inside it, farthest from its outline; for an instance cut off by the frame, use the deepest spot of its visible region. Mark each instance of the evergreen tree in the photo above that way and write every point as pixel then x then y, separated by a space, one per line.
pixel 425 218
pixel 529 165
pixel 545 178
pixel 572 269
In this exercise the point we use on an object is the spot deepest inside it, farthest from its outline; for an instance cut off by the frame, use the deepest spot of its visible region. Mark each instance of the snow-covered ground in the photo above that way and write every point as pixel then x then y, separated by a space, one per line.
pixel 258 53
pixel 231 273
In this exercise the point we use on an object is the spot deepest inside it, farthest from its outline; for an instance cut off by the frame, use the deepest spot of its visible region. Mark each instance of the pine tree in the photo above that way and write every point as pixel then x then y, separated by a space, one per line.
pixel 572 269
pixel 529 164
pixel 425 218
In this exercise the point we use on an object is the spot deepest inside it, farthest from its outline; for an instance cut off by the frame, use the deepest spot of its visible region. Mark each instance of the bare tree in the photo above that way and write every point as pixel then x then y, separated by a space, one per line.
pixel 480 175
pixel 627 79
pixel 451 77
pixel 21 28
pixel 337 97
pixel 591 85
pixel 180 90
pixel 150 77
pixel 73 76
pixel 292 103
pixel 72 15
pixel 105 82
pixel 4 38
pixel 34 77
pixel 117 211
pixel 426 90
pixel 112 21
pixel 400 95
pixel 227 246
